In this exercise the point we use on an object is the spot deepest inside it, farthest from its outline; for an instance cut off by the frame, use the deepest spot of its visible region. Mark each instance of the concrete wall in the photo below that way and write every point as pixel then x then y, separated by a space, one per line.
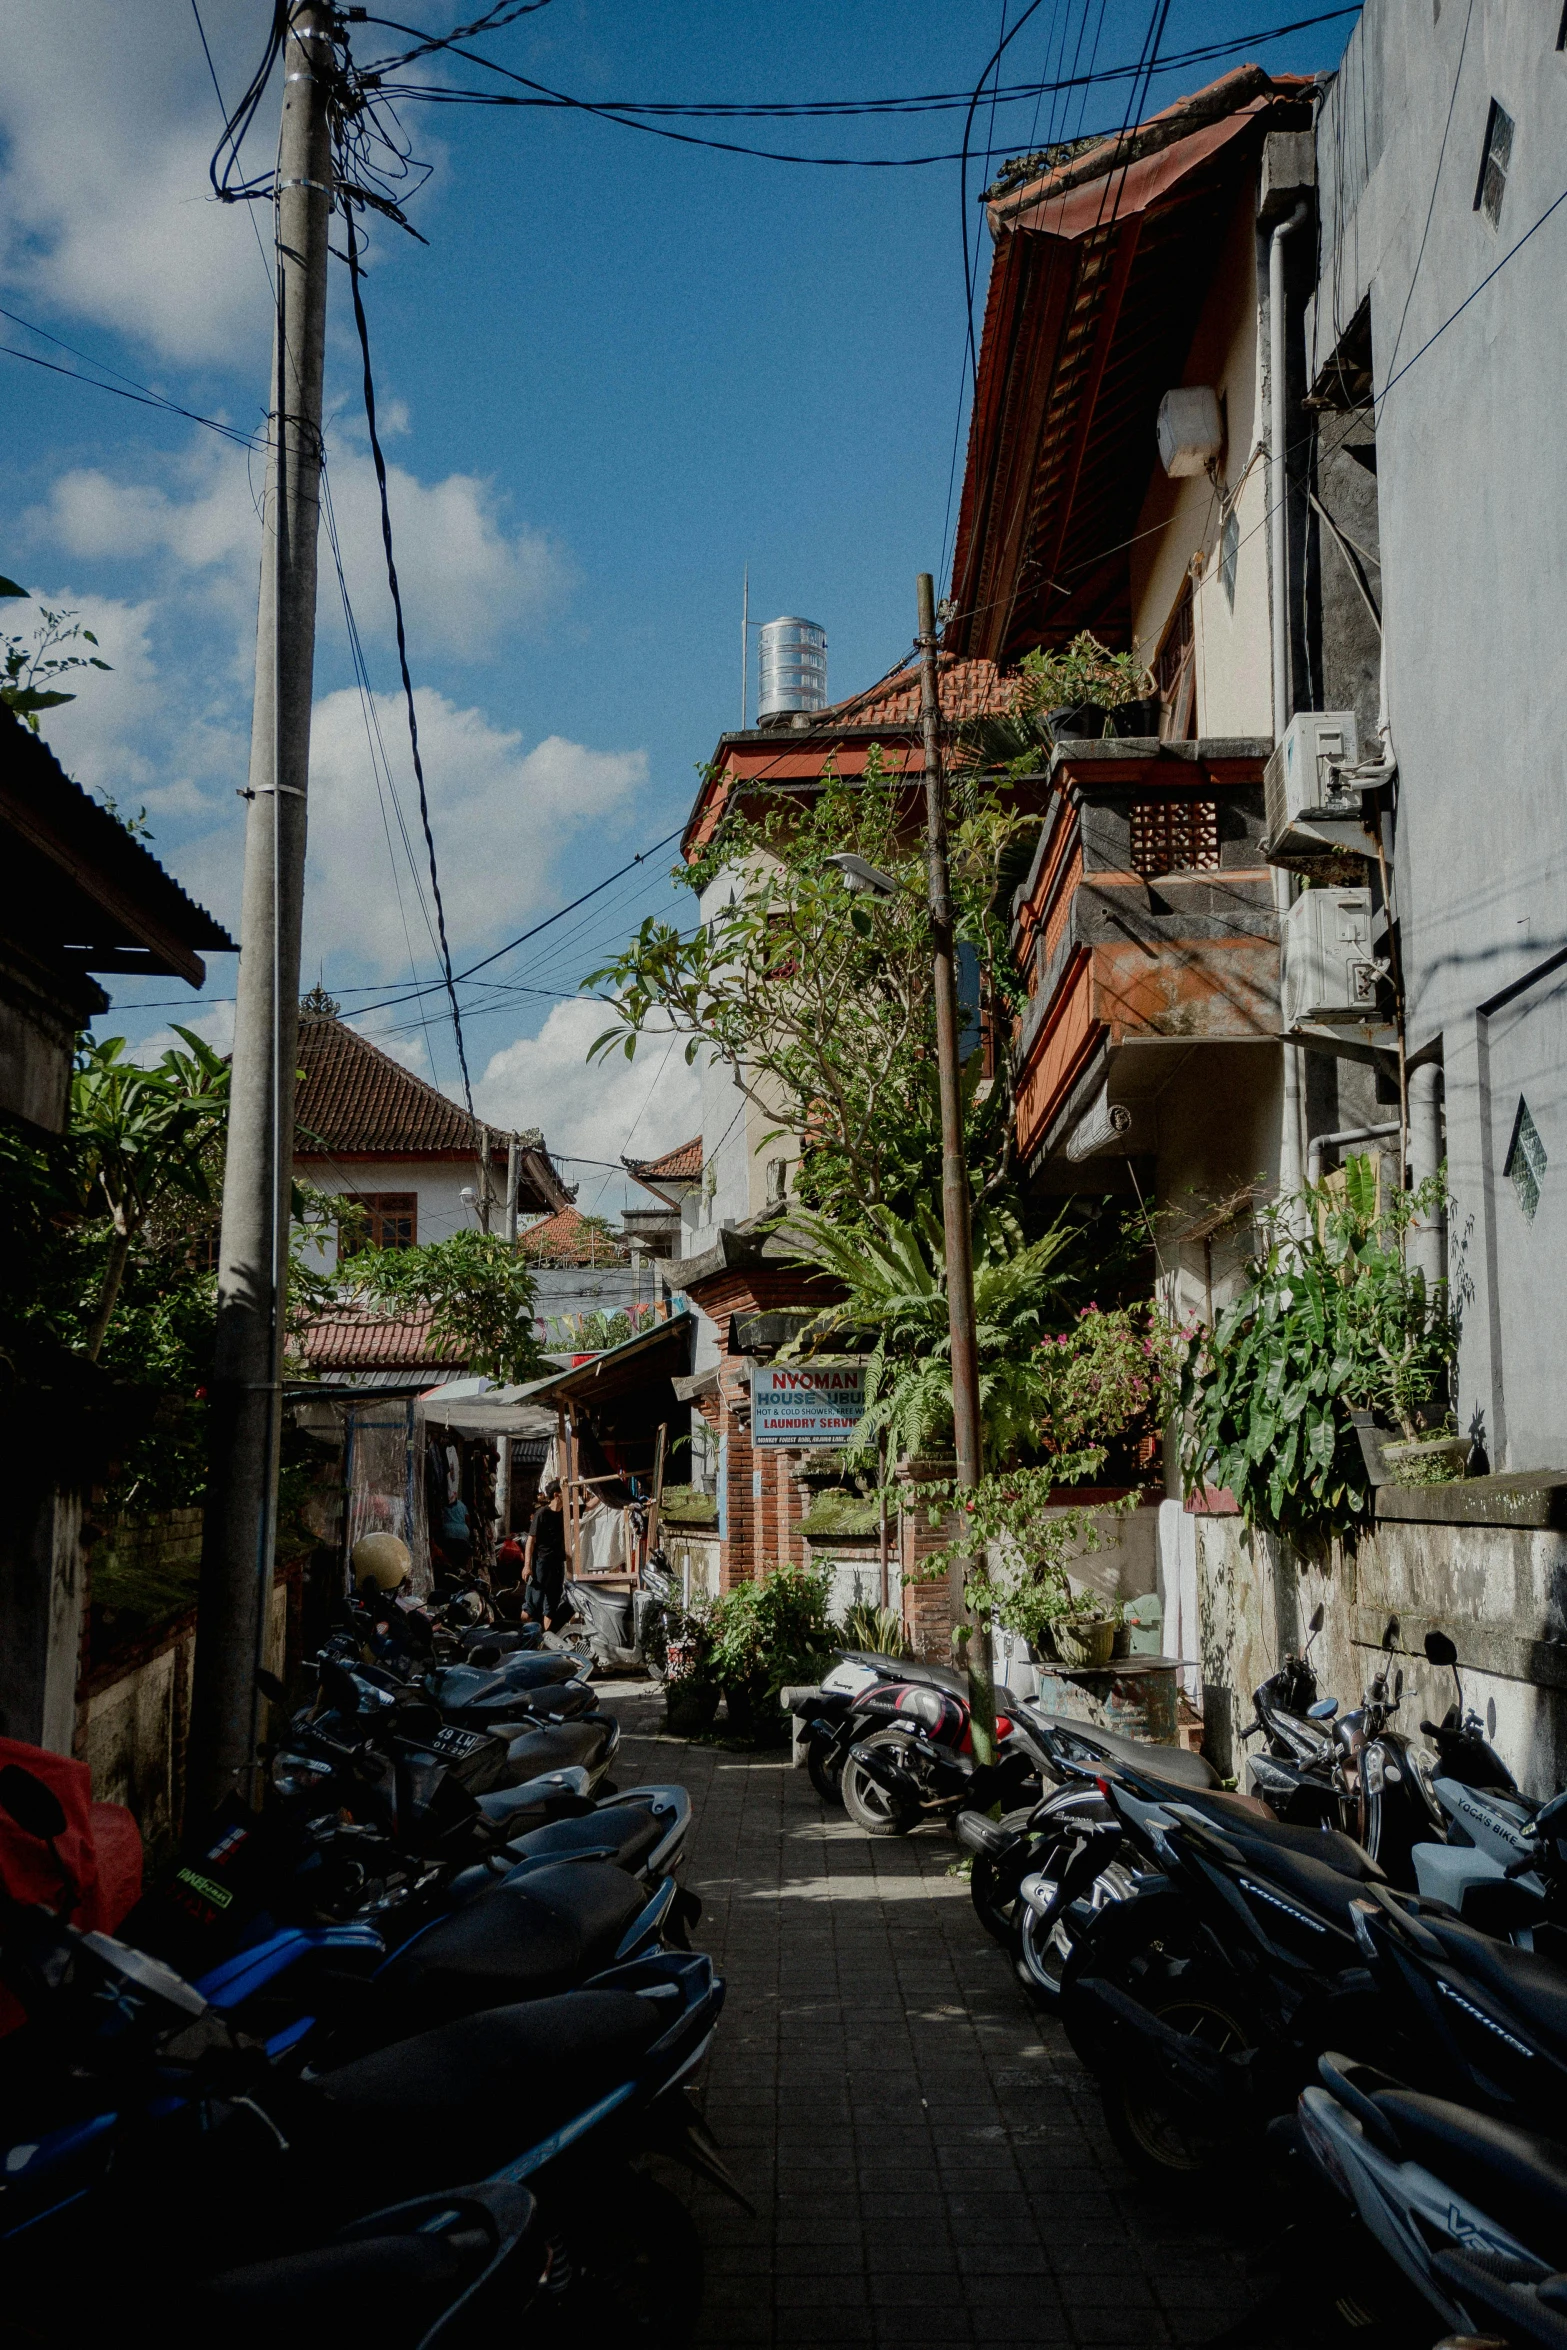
pixel 1501 1595
pixel 437 1184
pixel 1472 498
pixel 1184 518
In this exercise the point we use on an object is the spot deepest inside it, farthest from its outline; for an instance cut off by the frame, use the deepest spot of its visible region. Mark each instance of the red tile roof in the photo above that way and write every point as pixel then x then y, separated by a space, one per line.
pixel 967 689
pixel 354 1101
pixel 683 1163
pixel 359 1338
pixel 562 1239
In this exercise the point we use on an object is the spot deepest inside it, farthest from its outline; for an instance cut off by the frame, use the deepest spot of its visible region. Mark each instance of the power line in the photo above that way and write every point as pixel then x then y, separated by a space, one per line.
pixel 362 327
pixel 638 114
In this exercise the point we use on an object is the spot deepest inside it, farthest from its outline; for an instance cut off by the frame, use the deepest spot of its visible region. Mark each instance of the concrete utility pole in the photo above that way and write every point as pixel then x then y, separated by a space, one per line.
pixel 503 1443
pixel 246 1388
pixel 955 1204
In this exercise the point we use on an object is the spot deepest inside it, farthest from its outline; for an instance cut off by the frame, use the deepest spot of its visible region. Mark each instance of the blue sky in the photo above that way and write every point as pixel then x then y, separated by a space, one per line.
pixel 621 370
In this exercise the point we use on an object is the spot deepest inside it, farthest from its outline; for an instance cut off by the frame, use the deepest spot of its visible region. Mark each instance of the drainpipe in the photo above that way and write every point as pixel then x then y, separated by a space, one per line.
pixel 1322 1142
pixel 1426 1245
pixel 1292 1122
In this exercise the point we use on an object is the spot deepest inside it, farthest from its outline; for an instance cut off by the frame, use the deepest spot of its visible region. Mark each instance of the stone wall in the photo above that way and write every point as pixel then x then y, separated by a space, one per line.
pixel 1499 1591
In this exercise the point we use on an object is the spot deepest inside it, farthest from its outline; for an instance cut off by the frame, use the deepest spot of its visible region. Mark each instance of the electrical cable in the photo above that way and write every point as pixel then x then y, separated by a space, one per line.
pixel 362 328
pixel 141 399
pixel 632 114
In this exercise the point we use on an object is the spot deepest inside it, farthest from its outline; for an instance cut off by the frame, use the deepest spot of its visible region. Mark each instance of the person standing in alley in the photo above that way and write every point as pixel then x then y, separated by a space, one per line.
pixel 545 1573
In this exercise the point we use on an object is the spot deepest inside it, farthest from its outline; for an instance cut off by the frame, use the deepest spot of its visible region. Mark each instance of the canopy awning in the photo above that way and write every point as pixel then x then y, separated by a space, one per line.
pixel 484 1407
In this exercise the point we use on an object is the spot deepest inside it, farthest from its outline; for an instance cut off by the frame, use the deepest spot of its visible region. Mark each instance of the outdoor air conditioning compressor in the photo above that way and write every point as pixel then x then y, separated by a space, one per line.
pixel 1313 805
pixel 1330 973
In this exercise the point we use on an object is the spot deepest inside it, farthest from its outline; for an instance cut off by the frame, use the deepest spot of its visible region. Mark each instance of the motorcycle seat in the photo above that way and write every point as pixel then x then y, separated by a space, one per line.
pixel 557 1746
pixel 564 1701
pixel 910 1668
pixel 1175 1763
pixel 1239 1816
pixel 555 1788
pixel 623 1833
pixel 460 2100
pixel 1533 1986
pixel 1317 1885
pixel 527 1937
pixel 1516 2177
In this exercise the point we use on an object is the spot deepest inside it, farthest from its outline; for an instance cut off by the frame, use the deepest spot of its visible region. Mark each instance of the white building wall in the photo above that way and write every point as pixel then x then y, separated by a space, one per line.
pixel 437 1186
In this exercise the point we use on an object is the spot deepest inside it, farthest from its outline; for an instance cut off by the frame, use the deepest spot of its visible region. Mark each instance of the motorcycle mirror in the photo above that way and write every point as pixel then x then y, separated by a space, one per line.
pixel 1439 1649
pixel 1317 1615
pixel 1548 1820
pixel 36 1809
pixel 1398 1685
pixel 270 1686
pixel 1323 1711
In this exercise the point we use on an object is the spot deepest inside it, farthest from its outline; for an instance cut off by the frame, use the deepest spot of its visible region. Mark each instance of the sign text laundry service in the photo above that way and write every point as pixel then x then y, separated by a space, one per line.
pixel 806 1405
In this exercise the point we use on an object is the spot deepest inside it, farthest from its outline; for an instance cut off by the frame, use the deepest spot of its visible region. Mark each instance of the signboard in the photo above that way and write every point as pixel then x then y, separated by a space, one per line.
pixel 806 1405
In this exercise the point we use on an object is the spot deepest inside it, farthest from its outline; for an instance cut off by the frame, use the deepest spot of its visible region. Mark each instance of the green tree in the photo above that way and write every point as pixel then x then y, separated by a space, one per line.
pixel 29 667
pixel 478 1289
pixel 817 997
pixel 144 1139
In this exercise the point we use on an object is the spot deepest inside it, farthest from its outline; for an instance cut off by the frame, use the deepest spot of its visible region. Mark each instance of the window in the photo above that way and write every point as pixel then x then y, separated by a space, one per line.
pixel 392 1220
pixel 1495 157
pixel 1176 673
pixel 1229 554
pixel 1174 836
pixel 1525 1162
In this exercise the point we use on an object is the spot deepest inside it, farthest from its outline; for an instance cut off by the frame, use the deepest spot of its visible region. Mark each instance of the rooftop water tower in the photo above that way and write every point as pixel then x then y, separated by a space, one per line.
pixel 793 668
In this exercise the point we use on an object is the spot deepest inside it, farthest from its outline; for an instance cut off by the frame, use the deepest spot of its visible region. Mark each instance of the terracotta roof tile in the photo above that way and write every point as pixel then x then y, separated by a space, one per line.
pixel 359 1338
pixel 968 689
pixel 354 1101
pixel 561 1240
pixel 683 1162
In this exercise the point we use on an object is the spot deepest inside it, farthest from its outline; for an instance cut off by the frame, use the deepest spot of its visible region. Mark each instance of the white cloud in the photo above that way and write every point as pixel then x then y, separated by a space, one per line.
pixel 108 120
pixel 214 1024
pixel 466 579
pixel 500 816
pixel 546 1080
pixel 93 736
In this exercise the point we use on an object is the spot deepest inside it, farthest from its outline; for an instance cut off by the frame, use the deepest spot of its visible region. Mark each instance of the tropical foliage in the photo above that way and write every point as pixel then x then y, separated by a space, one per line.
pixel 895 1274
pixel 1084 671
pixel 1332 1320
pixel 817 997
pixel 28 669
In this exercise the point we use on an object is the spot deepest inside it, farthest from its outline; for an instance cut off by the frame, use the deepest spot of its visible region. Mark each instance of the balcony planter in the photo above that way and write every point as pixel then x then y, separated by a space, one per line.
pixel 1078 721
pixel 1419 1460
pixel 1136 718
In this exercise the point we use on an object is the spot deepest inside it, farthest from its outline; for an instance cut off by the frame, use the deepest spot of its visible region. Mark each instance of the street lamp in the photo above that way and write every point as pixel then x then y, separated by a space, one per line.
pixel 862 877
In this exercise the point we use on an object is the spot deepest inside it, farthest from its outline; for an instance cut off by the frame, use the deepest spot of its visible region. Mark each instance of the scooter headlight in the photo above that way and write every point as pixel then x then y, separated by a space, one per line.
pixel 1372 1770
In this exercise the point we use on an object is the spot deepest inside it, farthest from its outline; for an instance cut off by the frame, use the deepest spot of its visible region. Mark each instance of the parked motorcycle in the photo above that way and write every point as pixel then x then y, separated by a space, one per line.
pixel 1018 1860
pixel 1473 2210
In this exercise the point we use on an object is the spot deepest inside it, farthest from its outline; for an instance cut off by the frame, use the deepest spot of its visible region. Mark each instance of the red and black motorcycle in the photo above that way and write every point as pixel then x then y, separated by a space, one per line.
pixel 895 1744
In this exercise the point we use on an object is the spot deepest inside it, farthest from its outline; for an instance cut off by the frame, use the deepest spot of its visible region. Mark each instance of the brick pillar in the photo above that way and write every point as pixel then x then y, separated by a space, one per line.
pixel 786 1507
pixel 739 1509
pixel 927 1607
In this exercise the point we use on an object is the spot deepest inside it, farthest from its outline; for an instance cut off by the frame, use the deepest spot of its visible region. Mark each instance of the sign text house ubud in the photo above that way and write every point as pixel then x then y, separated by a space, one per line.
pixel 806 1406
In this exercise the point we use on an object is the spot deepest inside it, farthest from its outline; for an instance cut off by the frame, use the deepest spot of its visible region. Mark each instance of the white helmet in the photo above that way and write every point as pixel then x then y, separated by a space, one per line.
pixel 381 1559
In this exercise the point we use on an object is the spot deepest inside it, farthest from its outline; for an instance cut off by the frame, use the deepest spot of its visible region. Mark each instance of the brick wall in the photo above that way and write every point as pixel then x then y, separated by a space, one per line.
pixel 927 1606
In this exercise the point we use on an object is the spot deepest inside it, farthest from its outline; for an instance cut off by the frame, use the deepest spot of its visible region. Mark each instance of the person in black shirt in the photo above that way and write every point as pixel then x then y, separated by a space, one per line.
pixel 546 1557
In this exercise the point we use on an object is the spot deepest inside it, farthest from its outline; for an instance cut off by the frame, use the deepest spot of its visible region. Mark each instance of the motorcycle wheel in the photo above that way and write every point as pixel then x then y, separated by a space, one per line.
pixel 1163 2139
pixel 1040 1956
pixel 995 1908
pixel 637 2263
pixel 826 1776
pixel 870 1807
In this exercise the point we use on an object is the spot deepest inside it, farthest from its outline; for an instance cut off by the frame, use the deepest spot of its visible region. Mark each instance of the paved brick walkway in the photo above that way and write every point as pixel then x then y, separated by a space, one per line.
pixel 928 2163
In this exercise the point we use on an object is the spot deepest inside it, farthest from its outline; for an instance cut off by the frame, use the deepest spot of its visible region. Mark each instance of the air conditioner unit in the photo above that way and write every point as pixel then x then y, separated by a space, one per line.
pixel 1330 974
pixel 1313 808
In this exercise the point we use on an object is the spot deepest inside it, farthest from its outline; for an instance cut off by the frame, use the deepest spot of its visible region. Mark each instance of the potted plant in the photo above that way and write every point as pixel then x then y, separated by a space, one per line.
pixel 691 1691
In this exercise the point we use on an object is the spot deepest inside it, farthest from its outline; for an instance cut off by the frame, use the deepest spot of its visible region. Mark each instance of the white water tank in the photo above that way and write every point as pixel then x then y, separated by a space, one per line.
pixel 793 667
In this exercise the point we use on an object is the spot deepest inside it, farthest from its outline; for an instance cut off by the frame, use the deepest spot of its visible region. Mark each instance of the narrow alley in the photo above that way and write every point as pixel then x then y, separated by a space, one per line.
pixel 928 2165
